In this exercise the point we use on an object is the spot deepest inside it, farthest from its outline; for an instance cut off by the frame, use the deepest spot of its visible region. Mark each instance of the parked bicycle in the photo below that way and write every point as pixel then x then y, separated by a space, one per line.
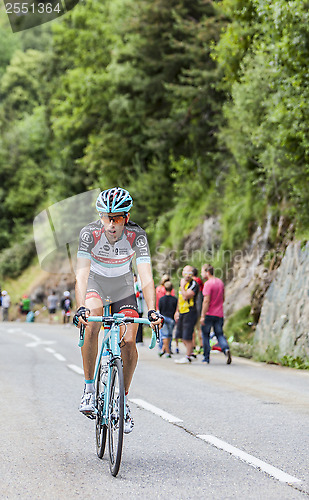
pixel 109 384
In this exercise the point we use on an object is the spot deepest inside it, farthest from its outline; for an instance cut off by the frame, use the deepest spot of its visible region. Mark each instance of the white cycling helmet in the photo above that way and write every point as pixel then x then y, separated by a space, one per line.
pixel 114 200
pixel 66 293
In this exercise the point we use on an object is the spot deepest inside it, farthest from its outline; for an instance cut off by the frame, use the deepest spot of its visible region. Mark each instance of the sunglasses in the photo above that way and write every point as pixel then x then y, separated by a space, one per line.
pixel 116 219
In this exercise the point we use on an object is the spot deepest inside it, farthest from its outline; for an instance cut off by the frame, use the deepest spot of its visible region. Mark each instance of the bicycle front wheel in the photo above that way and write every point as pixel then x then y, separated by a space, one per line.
pixel 116 416
pixel 100 428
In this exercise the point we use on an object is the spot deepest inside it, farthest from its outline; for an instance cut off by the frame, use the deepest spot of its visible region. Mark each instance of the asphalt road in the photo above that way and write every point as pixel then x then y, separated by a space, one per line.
pixel 213 432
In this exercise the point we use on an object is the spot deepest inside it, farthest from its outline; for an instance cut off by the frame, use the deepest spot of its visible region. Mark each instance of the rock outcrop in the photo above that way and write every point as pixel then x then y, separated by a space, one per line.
pixel 283 328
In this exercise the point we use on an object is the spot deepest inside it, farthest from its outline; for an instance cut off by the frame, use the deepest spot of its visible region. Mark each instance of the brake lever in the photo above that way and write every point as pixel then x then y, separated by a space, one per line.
pixel 157 331
pixel 81 336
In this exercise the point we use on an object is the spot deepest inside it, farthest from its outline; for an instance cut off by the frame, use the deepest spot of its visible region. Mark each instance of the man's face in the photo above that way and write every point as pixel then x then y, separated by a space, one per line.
pixel 114 224
pixel 187 273
pixel 204 273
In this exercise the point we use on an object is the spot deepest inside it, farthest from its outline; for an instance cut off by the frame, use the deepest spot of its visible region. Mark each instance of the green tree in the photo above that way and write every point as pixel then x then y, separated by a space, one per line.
pixel 268 110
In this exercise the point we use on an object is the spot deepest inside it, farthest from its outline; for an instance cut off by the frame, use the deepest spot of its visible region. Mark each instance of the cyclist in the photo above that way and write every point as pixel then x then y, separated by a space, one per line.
pixel 104 275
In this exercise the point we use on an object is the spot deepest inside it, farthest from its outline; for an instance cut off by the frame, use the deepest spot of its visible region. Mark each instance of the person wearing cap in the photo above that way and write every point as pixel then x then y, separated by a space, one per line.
pixel 6 302
pixel 25 305
pixel 186 314
pixel 66 306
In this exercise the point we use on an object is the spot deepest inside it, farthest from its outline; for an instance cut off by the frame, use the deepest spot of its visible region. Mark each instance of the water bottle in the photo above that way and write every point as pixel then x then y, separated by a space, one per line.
pixel 104 367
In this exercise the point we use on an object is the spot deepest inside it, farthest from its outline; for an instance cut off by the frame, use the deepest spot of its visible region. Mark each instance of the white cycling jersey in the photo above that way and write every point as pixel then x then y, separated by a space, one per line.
pixel 113 260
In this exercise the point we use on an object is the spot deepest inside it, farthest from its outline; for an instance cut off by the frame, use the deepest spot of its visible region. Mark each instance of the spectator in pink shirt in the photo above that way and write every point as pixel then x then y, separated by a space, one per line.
pixel 212 312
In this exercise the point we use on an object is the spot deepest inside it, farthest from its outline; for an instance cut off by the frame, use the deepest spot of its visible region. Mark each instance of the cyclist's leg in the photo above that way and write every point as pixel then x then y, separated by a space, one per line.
pixel 90 347
pixel 128 306
pixel 129 354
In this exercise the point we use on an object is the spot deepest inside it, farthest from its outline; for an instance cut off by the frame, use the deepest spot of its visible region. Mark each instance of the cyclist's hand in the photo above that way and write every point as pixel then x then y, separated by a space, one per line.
pixel 155 318
pixel 80 317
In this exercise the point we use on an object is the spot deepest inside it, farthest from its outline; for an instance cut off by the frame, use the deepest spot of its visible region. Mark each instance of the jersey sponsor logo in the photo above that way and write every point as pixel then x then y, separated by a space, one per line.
pixel 86 237
pixel 143 251
pixel 130 236
pixel 106 248
pixel 141 241
pixel 108 260
pixel 101 252
pixel 83 246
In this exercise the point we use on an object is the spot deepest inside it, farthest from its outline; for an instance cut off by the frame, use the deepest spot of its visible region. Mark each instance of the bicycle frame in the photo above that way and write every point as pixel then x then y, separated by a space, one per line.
pixel 111 343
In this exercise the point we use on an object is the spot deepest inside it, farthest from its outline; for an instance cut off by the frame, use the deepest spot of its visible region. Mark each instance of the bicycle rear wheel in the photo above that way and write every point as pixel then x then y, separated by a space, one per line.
pixel 116 416
pixel 100 429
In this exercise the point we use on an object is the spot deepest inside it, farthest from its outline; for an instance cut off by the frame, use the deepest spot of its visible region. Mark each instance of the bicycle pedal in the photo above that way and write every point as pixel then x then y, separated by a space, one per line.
pixel 91 416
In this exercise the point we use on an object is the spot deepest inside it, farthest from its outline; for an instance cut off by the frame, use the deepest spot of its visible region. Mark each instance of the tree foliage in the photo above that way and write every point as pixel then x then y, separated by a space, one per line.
pixel 195 106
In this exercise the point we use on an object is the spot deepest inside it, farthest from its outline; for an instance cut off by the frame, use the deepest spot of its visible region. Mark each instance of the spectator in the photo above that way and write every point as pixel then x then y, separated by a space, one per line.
pixel 160 290
pixel 25 305
pixel 199 301
pixel 212 312
pixel 167 307
pixel 66 306
pixel 52 302
pixel 186 315
pixel 5 302
pixel 140 308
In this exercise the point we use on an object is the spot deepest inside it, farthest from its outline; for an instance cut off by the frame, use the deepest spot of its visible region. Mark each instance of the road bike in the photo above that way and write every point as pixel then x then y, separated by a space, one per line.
pixel 109 384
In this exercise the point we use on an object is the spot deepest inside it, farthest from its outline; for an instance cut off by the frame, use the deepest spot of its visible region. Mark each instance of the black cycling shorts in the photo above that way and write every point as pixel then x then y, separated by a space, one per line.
pixel 118 292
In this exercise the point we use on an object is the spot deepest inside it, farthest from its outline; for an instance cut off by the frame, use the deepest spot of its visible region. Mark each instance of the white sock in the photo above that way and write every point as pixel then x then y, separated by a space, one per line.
pixel 89 386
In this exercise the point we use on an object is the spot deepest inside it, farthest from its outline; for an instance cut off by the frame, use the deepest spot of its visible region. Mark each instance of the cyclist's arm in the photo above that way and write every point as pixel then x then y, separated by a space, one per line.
pixel 149 292
pixel 148 288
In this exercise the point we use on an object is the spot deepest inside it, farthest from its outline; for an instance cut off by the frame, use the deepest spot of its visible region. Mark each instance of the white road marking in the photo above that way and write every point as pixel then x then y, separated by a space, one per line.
pixel 36 340
pixel 157 411
pixel 76 369
pixel 49 349
pixel 40 342
pixel 245 457
pixel 59 356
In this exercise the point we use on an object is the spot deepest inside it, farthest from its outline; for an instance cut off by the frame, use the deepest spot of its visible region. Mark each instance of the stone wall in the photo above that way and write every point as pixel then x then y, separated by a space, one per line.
pixel 283 328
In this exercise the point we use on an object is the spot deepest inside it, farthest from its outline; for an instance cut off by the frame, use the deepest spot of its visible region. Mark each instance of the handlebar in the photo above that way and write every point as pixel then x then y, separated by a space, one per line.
pixel 118 319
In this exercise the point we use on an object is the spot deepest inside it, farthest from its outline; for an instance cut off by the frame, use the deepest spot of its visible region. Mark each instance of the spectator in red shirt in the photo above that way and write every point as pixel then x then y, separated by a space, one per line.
pixel 212 312
pixel 160 290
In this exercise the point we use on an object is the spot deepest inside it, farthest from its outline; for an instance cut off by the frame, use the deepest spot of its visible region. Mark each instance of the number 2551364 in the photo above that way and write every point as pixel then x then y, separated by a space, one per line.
pixel 31 8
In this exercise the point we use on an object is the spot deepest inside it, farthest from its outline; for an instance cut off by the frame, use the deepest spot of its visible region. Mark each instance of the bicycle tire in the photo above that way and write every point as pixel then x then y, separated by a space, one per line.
pixel 100 429
pixel 116 416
